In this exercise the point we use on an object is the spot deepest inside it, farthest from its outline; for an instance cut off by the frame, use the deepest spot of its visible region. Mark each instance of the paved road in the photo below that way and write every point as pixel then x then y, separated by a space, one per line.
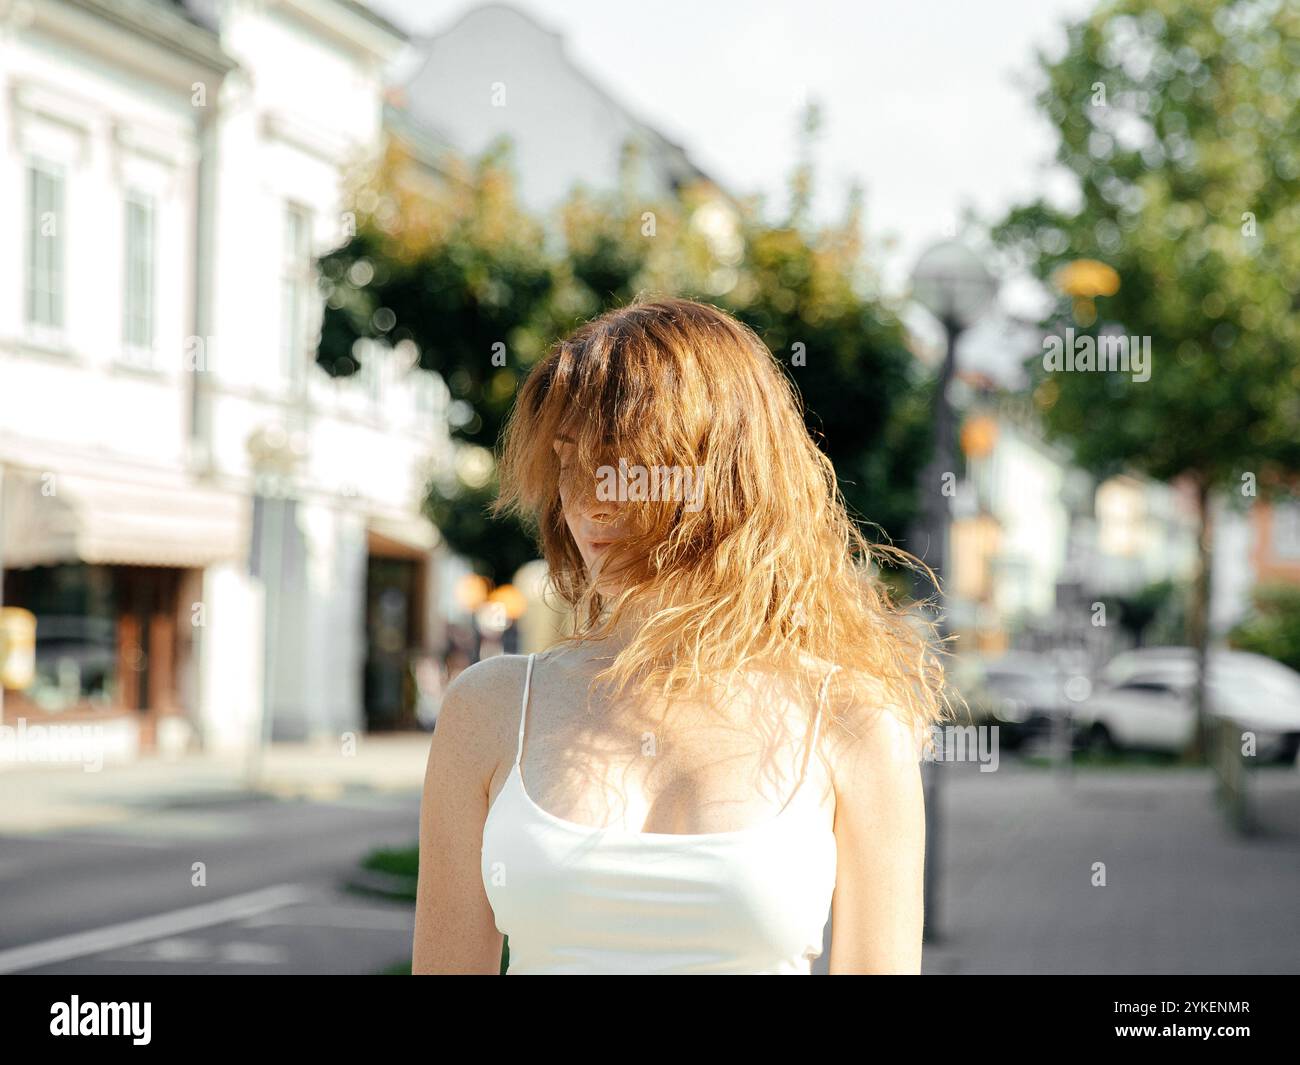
pixel 118 898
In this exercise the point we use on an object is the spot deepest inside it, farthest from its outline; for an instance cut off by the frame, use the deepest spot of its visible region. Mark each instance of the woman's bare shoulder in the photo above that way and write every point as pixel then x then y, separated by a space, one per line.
pixel 869 727
pixel 487 679
pixel 481 705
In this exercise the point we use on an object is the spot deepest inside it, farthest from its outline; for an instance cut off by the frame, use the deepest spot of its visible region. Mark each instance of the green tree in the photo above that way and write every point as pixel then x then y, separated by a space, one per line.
pixel 1178 123
pixel 1273 629
pixel 458 269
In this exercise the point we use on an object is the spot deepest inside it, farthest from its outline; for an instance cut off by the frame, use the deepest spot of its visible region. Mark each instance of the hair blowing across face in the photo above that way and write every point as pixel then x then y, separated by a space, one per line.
pixel 762 567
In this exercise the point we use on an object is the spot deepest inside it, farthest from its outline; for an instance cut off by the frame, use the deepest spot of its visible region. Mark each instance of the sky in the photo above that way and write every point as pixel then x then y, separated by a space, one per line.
pixel 927 104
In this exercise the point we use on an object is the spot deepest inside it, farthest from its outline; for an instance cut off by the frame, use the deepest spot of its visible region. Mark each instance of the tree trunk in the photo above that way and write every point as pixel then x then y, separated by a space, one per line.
pixel 1198 622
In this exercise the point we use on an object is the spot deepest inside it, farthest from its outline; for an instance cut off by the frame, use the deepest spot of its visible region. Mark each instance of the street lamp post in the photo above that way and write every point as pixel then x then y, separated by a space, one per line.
pixel 953 285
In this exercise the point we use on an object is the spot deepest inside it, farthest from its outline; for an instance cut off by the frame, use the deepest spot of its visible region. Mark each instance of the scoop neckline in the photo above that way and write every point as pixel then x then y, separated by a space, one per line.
pixel 614 830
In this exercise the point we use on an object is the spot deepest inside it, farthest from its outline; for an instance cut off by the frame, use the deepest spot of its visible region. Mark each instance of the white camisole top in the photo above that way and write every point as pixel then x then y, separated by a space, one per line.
pixel 579 899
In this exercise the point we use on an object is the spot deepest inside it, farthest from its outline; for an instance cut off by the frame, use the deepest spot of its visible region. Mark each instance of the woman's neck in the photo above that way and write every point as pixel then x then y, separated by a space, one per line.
pixel 610 636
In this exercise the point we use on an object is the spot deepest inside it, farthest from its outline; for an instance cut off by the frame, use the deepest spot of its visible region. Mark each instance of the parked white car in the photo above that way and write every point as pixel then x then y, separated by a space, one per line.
pixel 1145 701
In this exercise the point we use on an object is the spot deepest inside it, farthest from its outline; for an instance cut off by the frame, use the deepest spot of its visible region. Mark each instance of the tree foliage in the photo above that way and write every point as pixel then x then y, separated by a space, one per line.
pixel 1179 126
pixel 1177 122
pixel 458 269
pixel 1273 629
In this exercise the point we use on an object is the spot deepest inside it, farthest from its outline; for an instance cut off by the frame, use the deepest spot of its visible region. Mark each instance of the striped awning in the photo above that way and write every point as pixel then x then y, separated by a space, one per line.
pixel 49 517
pixel 401 536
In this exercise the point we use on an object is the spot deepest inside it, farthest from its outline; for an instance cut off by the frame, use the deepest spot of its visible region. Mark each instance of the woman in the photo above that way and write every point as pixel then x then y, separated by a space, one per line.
pixel 728 747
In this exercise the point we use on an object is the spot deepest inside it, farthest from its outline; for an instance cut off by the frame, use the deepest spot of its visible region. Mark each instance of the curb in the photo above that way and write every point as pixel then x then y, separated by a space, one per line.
pixel 389 885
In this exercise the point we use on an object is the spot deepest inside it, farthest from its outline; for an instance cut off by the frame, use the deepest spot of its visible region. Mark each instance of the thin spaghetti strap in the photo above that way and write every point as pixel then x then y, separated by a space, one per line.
pixel 820 702
pixel 523 709
pixel 817 721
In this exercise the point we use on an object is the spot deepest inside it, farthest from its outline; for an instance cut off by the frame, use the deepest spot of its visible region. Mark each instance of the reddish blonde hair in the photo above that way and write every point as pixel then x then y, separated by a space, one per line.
pixel 766 567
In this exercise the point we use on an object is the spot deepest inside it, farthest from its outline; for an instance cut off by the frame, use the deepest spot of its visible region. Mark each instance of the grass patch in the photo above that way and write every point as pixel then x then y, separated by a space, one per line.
pixel 390 873
pixel 399 861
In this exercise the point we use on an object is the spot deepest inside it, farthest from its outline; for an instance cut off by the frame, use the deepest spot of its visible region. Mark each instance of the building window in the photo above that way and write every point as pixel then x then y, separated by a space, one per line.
pixel 138 309
pixel 106 636
pixel 77 635
pixel 296 295
pixel 45 250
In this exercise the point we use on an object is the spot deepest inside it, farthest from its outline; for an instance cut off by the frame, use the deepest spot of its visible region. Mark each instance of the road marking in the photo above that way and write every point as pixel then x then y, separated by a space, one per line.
pixel 349 917
pixel 108 840
pixel 128 933
pixel 193 951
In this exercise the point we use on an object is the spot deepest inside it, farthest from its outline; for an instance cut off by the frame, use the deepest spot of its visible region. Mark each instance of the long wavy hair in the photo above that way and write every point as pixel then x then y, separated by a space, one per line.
pixel 756 563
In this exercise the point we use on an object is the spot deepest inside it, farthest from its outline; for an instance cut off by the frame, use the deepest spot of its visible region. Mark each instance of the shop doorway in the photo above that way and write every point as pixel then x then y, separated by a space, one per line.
pixel 394 633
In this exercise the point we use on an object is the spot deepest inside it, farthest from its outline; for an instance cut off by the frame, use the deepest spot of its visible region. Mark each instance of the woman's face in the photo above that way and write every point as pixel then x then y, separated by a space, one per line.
pixel 593 523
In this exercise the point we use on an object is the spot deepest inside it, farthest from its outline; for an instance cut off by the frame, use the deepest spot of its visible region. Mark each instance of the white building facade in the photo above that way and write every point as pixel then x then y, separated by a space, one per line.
pixel 1038 544
pixel 187 497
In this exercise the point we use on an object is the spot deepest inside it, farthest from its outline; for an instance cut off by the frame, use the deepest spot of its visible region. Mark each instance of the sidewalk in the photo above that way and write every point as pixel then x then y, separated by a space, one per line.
pixel 1023 852
pixel 37 798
